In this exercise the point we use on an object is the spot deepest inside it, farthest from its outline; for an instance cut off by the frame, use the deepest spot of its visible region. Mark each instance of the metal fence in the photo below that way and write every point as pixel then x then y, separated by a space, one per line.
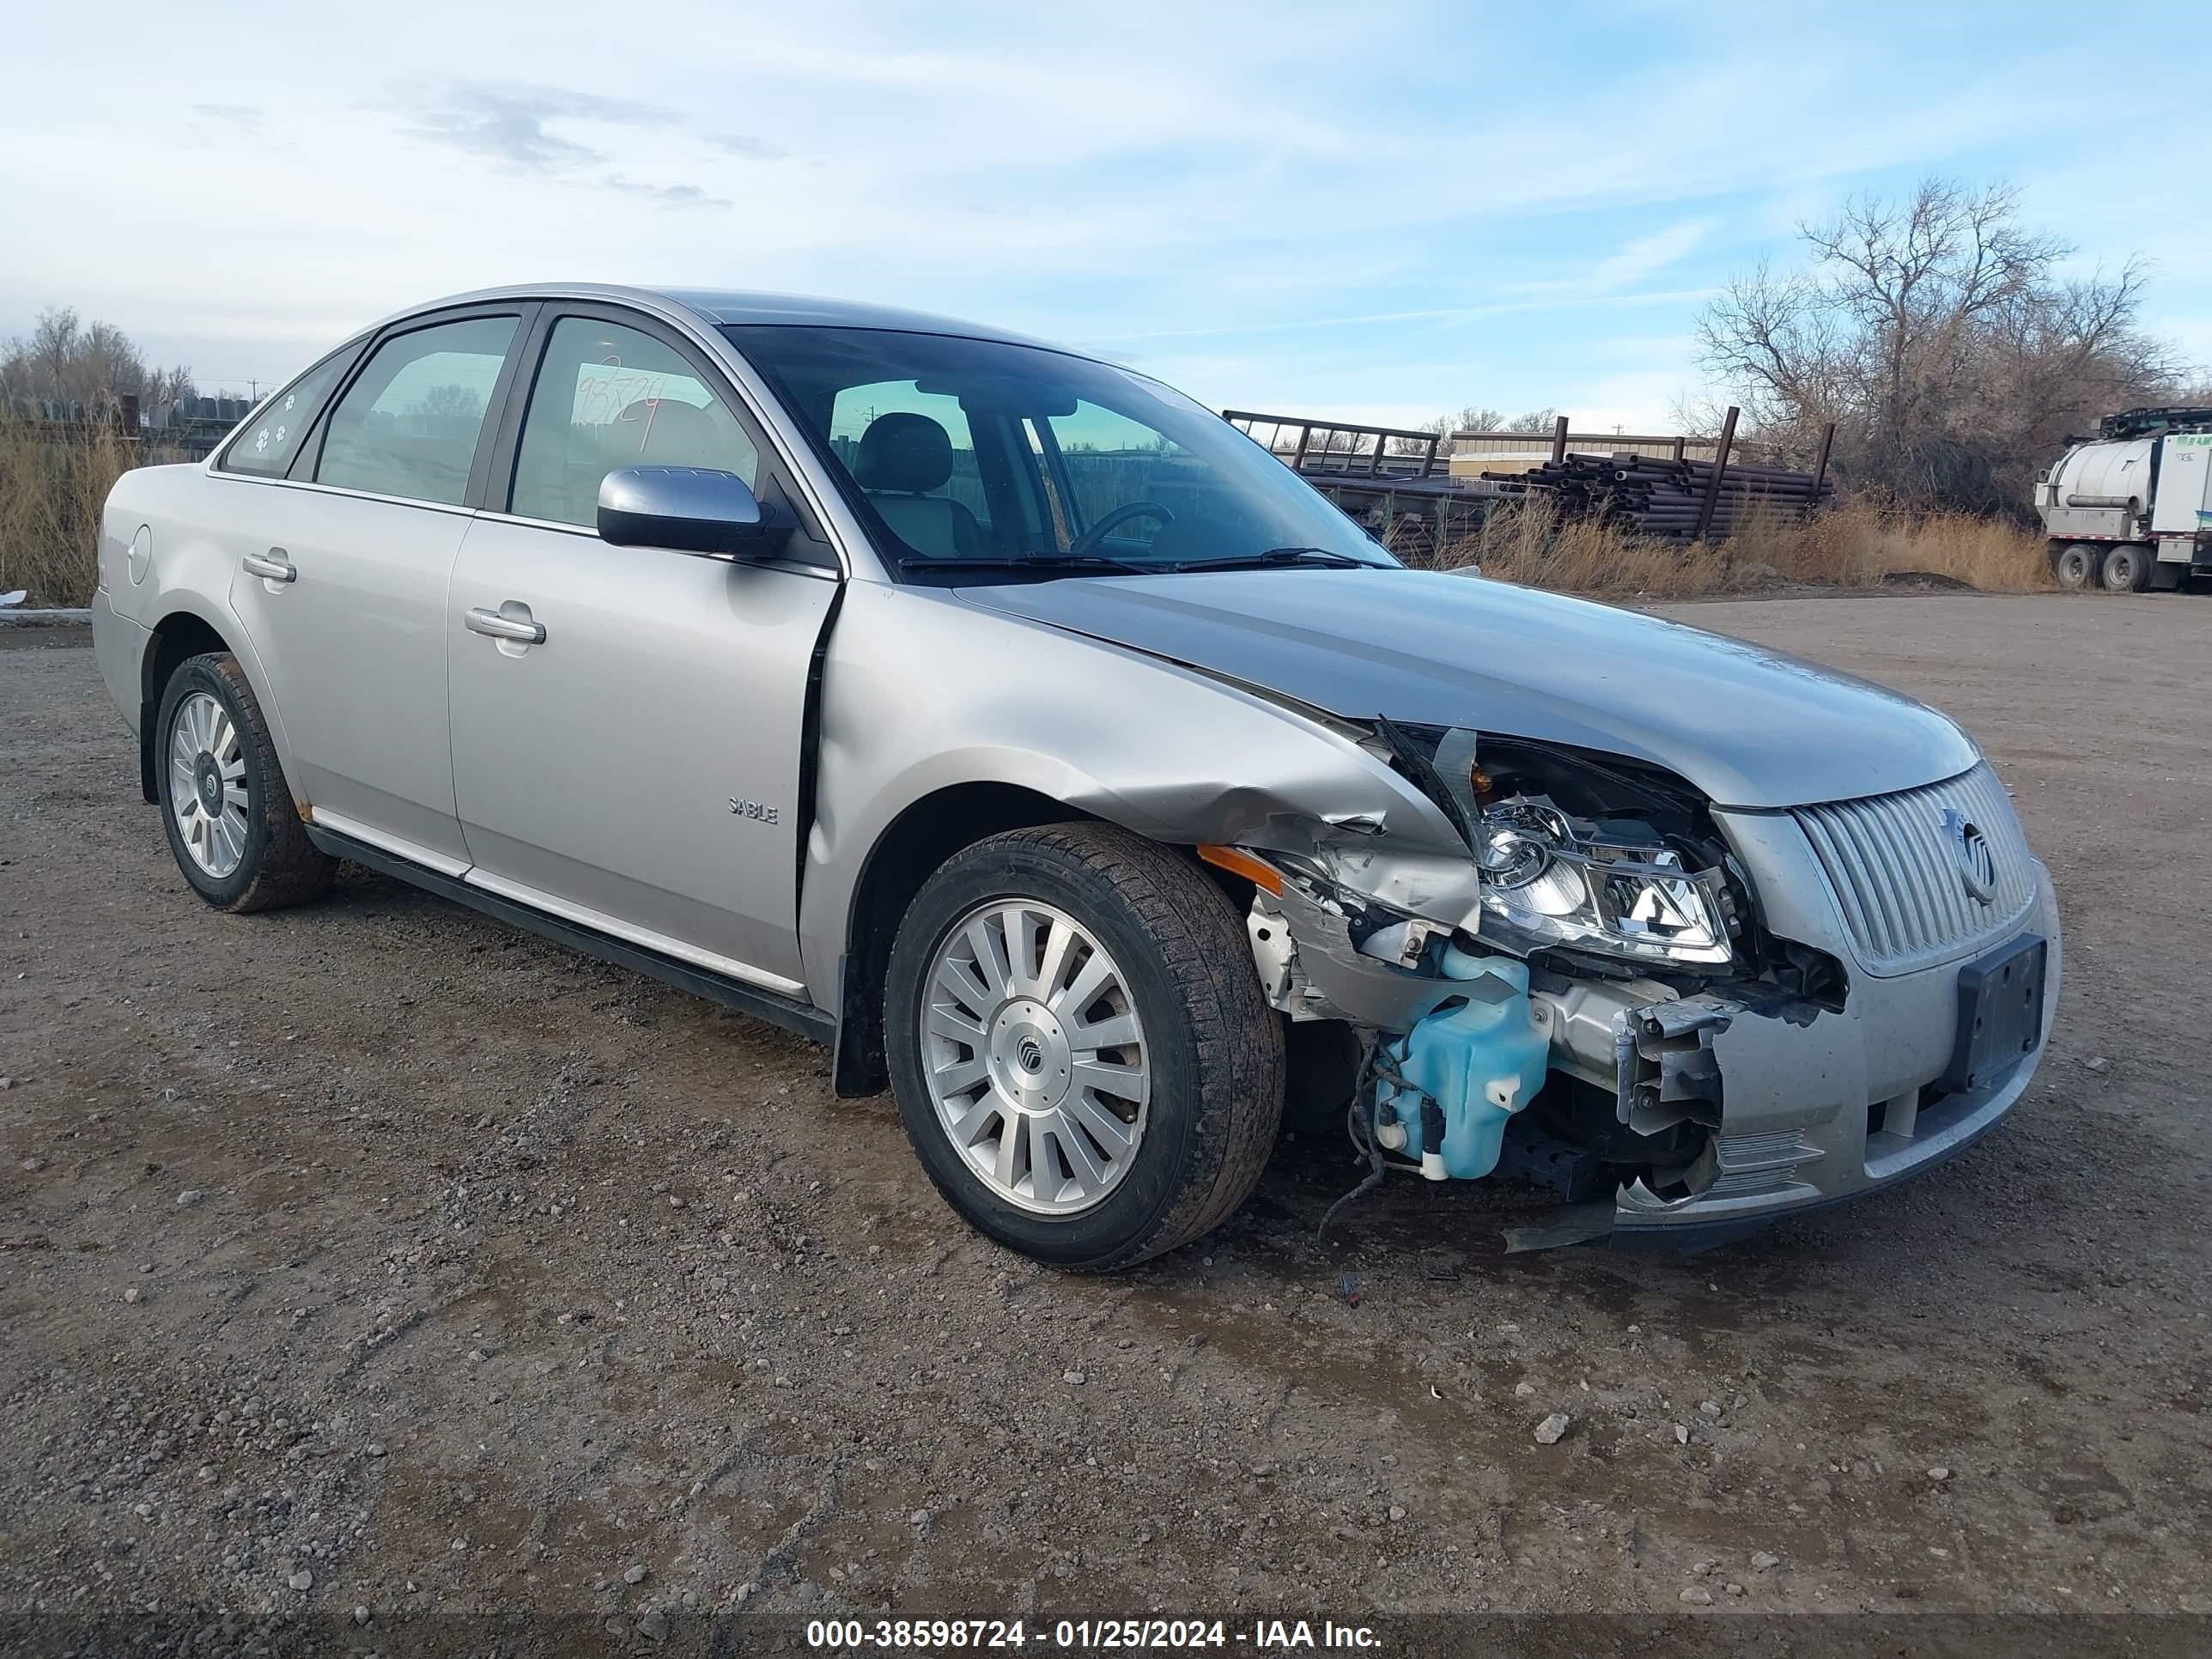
pixel 190 428
pixel 1476 453
pixel 1314 446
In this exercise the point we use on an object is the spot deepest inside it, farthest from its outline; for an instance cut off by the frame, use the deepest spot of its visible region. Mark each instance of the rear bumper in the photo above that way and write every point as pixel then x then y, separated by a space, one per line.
pixel 118 645
pixel 1843 1108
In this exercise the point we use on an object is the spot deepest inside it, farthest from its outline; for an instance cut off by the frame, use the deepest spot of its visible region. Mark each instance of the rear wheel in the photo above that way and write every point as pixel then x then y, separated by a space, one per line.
pixel 2074 564
pixel 1081 1052
pixel 231 826
pixel 2127 569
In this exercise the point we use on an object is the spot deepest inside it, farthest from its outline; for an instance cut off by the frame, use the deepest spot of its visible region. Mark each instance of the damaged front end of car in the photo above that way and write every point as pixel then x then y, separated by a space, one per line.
pixel 1596 993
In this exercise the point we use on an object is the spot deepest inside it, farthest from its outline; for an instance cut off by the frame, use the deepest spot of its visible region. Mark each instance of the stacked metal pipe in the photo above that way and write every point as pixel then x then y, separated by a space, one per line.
pixel 1655 497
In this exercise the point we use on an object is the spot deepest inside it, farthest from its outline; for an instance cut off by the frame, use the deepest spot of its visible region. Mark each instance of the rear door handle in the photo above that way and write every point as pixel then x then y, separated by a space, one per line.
pixel 501 626
pixel 272 566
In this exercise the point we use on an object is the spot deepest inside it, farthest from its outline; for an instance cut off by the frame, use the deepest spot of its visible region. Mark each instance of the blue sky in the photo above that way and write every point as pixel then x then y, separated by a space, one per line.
pixel 1384 211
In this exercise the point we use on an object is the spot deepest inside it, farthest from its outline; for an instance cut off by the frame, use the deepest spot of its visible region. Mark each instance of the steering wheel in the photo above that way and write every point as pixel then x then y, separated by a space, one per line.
pixel 1113 520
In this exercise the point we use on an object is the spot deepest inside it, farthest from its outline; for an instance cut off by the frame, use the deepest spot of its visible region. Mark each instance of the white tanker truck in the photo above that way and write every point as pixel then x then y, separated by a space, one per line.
pixel 2131 508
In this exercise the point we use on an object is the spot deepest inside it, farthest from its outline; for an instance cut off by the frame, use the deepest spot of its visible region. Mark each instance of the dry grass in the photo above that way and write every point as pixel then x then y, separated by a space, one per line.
pixel 1863 544
pixel 53 481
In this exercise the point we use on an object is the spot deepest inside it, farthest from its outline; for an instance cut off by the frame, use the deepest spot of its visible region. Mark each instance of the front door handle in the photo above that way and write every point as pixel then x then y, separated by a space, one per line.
pixel 272 566
pixel 501 624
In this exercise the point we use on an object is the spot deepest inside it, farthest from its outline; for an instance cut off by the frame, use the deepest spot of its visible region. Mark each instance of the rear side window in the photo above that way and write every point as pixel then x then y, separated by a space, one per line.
pixel 267 446
pixel 409 425
pixel 611 397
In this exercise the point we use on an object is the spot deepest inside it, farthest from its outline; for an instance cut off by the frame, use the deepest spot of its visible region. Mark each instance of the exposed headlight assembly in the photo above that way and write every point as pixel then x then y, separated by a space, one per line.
pixel 1573 850
pixel 1612 887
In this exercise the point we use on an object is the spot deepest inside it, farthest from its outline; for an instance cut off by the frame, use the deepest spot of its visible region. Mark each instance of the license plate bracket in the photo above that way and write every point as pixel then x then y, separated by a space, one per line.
pixel 2000 1013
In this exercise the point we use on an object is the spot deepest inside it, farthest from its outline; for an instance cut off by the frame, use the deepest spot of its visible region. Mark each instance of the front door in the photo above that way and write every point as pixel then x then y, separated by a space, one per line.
pixel 342 585
pixel 637 765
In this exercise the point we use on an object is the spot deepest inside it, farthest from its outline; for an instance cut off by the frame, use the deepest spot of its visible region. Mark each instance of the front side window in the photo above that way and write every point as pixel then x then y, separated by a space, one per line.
pixel 960 453
pixel 608 397
pixel 265 447
pixel 409 425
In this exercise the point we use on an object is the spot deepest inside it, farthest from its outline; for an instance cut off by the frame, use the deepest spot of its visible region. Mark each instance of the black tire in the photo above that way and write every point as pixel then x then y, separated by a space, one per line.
pixel 2127 569
pixel 2075 565
pixel 280 865
pixel 1215 1046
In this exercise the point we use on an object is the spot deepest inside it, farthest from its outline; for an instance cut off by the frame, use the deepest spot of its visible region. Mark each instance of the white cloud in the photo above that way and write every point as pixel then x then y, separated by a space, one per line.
pixel 1311 201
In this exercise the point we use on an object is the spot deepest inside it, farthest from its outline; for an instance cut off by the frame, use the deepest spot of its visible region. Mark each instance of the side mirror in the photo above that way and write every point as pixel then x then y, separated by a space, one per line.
pixel 688 509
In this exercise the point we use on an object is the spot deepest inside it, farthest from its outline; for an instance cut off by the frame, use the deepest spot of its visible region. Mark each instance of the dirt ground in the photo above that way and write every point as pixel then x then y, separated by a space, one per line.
pixel 372 1255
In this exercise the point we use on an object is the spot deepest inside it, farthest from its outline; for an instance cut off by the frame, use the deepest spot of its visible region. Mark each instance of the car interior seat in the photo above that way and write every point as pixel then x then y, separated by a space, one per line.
pixel 661 432
pixel 902 457
pixel 649 432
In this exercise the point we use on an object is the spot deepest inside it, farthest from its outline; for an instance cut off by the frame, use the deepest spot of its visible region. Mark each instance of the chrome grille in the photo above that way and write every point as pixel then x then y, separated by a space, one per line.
pixel 1895 871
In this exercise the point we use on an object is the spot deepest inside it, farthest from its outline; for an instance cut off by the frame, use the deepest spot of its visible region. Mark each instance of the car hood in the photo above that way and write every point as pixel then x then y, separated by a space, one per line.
pixel 1749 727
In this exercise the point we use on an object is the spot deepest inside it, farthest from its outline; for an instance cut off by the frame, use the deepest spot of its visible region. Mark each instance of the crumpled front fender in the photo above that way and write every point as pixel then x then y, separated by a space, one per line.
pixel 923 694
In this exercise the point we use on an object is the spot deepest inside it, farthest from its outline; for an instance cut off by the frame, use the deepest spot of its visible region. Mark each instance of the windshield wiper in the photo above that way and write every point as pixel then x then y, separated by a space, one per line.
pixel 1058 564
pixel 1321 558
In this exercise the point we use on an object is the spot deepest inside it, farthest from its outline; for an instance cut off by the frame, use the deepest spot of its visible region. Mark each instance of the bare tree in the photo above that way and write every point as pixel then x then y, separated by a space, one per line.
pixel 1469 419
pixel 69 361
pixel 1474 418
pixel 1937 334
pixel 451 403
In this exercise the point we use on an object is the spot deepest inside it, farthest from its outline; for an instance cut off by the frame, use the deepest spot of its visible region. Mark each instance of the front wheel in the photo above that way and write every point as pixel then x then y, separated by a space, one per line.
pixel 1080 1048
pixel 233 826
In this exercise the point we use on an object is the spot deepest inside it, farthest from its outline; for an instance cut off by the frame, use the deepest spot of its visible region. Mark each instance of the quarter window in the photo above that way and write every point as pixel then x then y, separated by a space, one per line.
pixel 609 397
pixel 266 446
pixel 408 426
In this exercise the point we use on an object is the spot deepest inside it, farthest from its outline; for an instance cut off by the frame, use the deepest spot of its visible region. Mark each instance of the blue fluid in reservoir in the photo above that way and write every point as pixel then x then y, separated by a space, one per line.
pixel 1482 1059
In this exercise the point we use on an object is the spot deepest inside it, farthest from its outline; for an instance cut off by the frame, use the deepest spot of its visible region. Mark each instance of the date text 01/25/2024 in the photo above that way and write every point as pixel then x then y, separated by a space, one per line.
pixel 1084 1635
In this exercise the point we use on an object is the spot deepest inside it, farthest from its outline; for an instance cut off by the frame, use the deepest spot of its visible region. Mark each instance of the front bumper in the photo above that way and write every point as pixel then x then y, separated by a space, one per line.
pixel 1815 1114
pixel 1813 1108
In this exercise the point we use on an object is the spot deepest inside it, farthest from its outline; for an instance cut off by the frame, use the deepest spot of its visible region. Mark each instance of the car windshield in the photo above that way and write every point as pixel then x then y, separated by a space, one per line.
pixel 978 460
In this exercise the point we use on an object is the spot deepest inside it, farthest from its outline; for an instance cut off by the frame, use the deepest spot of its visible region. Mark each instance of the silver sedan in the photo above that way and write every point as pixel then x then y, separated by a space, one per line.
pixel 1017 727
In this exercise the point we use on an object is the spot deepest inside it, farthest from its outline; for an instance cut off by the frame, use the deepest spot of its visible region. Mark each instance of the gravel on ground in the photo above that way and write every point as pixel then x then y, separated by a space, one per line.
pixel 373 1262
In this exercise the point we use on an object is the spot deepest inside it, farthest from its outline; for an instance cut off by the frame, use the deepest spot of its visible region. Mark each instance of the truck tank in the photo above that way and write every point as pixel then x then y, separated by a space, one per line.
pixel 2099 478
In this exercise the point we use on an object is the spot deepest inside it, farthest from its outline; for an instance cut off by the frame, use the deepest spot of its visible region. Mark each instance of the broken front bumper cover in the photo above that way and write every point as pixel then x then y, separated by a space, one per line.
pixel 1757 1176
pixel 1805 1108
pixel 1849 1102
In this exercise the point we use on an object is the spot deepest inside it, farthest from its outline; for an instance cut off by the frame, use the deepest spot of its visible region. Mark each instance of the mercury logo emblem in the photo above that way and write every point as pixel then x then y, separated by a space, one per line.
pixel 1031 1052
pixel 1970 851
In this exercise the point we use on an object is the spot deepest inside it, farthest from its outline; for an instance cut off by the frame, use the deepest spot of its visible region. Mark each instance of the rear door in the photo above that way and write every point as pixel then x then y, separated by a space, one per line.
pixel 638 768
pixel 342 574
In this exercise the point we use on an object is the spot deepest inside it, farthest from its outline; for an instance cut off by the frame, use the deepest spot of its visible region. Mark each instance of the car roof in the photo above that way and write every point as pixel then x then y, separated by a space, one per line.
pixel 741 306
